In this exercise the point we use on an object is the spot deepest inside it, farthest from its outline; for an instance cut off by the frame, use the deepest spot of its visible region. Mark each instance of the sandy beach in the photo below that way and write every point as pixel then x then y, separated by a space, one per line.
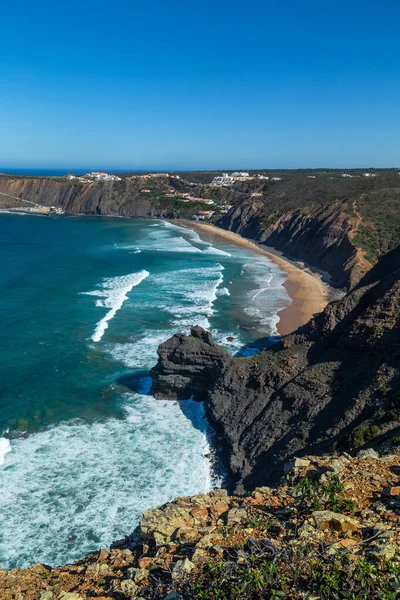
pixel 308 293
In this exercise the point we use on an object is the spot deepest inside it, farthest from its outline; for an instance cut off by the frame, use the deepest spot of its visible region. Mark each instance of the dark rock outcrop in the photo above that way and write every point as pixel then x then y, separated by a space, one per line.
pixel 188 365
pixel 333 381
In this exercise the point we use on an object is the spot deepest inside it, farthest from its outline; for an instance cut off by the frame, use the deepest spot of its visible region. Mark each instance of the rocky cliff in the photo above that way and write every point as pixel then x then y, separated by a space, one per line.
pixel 341 226
pixel 334 382
pixel 122 198
pixel 321 236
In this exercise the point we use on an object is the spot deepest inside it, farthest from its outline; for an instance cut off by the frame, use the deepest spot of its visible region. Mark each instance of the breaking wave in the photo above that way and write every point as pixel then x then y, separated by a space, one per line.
pixel 114 292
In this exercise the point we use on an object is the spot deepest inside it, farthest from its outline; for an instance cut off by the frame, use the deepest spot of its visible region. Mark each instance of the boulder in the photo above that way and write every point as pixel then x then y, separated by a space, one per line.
pixel 128 587
pixel 182 568
pixel 187 365
pixel 174 595
pixel 236 515
pixel 327 519
pixel 137 575
pixel 368 453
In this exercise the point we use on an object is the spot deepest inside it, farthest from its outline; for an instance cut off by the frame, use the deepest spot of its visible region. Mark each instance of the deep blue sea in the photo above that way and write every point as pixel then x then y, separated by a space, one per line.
pixel 84 303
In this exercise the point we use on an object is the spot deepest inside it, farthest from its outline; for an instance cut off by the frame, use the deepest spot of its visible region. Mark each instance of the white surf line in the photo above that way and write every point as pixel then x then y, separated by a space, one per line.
pixel 5 447
pixel 115 290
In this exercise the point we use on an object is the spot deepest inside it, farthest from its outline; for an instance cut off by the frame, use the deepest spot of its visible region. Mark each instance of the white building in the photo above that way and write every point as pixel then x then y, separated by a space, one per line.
pixel 101 176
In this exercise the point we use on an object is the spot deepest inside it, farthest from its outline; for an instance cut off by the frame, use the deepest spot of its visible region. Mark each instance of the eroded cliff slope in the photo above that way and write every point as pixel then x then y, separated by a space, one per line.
pixel 108 198
pixel 334 382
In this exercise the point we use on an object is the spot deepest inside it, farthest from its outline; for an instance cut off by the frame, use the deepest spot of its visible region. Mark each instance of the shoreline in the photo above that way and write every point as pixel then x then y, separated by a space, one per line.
pixel 308 293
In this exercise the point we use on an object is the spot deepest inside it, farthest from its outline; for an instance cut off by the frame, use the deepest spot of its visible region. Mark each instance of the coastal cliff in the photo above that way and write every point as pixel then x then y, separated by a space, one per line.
pixel 98 198
pixel 341 226
pixel 332 383
pixel 320 236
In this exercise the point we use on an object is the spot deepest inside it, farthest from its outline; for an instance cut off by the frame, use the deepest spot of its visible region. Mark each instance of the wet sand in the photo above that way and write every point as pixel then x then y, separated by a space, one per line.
pixel 308 293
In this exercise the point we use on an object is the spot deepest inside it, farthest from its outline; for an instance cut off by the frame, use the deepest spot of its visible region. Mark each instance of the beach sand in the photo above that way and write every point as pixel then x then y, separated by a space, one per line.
pixel 308 293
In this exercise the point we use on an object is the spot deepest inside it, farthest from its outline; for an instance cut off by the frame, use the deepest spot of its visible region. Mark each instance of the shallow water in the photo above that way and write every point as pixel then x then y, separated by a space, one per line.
pixel 84 304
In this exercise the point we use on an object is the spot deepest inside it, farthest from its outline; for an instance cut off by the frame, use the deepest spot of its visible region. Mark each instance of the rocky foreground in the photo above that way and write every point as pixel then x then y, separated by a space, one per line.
pixel 330 530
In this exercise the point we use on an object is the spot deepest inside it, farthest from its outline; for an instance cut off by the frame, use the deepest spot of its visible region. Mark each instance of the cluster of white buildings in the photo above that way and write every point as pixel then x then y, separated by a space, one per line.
pixel 153 176
pixel 226 179
pixel 94 175
pixel 101 176
pixel 362 174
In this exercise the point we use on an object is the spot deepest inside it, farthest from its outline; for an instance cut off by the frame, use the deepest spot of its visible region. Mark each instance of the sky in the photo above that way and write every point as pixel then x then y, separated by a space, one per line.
pixel 199 85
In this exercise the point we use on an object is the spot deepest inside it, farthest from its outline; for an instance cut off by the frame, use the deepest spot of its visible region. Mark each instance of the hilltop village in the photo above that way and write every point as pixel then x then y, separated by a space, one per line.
pixel 213 197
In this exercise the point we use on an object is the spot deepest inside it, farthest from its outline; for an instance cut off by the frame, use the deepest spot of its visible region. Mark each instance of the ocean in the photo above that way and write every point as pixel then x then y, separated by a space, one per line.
pixel 84 303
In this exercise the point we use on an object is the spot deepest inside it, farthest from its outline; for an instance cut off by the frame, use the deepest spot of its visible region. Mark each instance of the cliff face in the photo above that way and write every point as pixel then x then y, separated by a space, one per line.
pixel 122 198
pixel 319 236
pixel 335 381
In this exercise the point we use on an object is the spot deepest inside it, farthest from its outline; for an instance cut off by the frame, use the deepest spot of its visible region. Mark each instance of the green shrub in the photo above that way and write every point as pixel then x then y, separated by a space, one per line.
pixel 362 434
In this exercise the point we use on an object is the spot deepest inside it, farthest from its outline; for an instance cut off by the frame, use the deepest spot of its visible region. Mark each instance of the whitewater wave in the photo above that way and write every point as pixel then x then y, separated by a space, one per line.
pixel 223 292
pixel 5 446
pixel 68 489
pixel 114 293
pixel 194 237
pixel 266 291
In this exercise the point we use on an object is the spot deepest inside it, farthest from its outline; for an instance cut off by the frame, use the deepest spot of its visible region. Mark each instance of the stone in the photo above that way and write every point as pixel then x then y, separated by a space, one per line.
pixel 236 515
pixel 103 554
pixel 300 463
pixel 219 493
pixel 261 491
pixel 199 513
pixel 338 464
pixel 144 562
pixel 367 453
pixel 305 530
pixel 137 575
pixel 161 525
pixel 98 570
pixel 295 464
pixel 47 596
pixel 207 541
pixel 199 556
pixel 174 595
pixel 128 587
pixel 182 568
pixel 219 509
pixel 188 535
pixel 384 550
pixel 341 545
pixel 70 596
pixel 327 519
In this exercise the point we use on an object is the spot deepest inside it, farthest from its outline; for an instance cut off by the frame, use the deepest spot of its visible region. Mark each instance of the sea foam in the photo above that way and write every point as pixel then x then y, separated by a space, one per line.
pixel 66 490
pixel 5 446
pixel 114 292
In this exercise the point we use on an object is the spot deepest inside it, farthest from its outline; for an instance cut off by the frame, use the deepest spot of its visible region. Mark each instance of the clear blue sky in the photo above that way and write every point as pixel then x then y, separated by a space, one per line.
pixel 197 85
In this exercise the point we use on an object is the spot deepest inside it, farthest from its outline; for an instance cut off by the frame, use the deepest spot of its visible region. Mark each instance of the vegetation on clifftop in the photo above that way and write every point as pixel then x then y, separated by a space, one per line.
pixel 330 531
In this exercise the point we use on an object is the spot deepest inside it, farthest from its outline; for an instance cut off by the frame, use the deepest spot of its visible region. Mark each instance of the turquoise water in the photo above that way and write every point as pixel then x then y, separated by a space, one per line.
pixel 84 304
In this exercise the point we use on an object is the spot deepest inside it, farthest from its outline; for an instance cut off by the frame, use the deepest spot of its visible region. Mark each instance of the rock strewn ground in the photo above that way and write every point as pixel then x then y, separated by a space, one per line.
pixel 331 530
